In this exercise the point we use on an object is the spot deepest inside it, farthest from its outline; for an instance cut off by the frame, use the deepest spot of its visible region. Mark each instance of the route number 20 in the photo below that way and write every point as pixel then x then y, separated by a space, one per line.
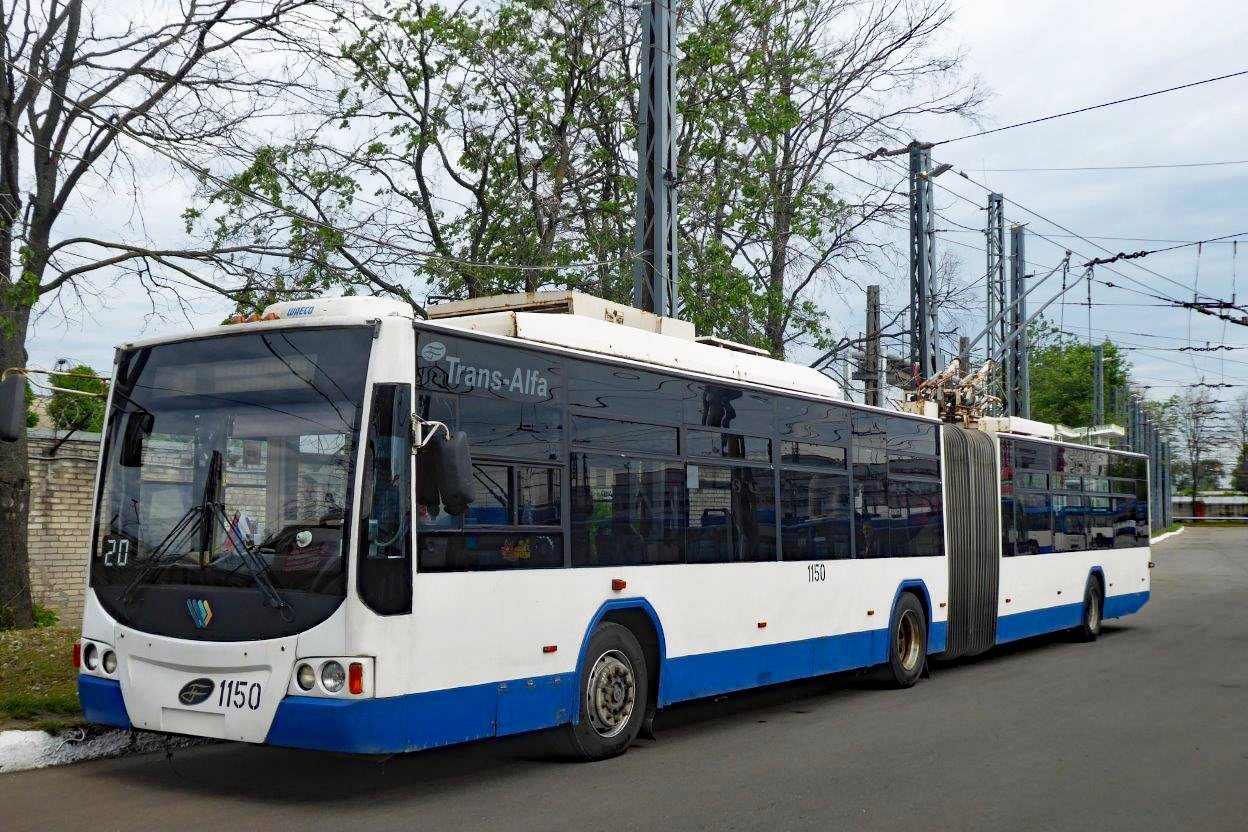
pixel 117 552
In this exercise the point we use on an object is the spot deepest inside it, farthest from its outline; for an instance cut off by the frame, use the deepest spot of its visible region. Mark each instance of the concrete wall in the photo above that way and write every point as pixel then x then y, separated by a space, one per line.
pixel 60 519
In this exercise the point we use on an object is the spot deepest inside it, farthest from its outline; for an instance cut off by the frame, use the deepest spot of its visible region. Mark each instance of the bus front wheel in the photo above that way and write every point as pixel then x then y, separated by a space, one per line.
pixel 907 649
pixel 1090 625
pixel 614 687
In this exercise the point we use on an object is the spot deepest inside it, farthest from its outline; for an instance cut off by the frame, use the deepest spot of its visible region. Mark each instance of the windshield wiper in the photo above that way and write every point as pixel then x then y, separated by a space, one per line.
pixel 157 560
pixel 255 563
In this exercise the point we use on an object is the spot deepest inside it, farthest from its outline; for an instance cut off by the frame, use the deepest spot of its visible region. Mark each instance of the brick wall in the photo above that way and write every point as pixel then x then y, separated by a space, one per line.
pixel 60 519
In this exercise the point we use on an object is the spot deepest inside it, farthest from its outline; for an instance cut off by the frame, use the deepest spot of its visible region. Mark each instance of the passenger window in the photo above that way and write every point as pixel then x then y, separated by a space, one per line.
pixel 816 516
pixel 385 565
pixel 727 445
pixel 538 493
pixel 492 550
pixel 491 505
pixel 624 436
pixel 528 430
pixel 824 424
pixel 804 453
pixel 732 514
pixel 626 511
pixel 719 406
pixel 624 393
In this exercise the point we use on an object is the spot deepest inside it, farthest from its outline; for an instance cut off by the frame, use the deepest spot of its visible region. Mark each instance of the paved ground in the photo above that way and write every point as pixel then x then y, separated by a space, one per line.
pixel 1146 729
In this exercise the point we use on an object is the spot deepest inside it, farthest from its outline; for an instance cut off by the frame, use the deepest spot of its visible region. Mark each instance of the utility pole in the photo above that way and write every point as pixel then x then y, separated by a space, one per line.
pixel 845 374
pixel 1018 393
pixel 1159 488
pixel 654 269
pixel 995 233
pixel 1167 488
pixel 924 317
pixel 871 361
pixel 1098 385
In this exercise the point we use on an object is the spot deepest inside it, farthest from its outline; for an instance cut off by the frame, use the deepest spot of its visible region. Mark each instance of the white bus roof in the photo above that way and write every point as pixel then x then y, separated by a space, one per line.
pixel 584 324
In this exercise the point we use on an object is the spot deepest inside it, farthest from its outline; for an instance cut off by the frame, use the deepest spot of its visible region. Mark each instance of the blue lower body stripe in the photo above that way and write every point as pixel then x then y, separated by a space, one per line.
pixel 1052 619
pixel 435 718
pixel 1117 606
pixel 102 702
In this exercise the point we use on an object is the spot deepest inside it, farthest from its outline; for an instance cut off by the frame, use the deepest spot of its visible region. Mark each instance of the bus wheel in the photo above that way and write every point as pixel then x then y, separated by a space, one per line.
pixel 907 649
pixel 614 686
pixel 1090 626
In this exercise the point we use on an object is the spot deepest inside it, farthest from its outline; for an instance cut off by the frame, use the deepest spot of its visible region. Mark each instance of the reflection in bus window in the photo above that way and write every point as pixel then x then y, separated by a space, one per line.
pixel 732 514
pixel 815 516
pixel 626 511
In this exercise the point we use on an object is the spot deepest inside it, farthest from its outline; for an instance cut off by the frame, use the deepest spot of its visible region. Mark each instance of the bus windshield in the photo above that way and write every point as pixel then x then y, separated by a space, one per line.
pixel 226 482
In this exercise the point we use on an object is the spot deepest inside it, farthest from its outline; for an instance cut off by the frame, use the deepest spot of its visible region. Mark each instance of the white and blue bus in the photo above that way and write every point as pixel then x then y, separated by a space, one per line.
pixel 345 527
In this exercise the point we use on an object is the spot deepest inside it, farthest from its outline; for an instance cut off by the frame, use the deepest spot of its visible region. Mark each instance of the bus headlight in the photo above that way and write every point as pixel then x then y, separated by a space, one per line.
pixel 306 676
pixel 332 676
pixel 110 662
pixel 90 656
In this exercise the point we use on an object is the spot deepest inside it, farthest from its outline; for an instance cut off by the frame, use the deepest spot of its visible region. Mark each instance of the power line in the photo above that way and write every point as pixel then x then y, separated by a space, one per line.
pixel 1089 109
pixel 968 229
pixel 1085 168
pixel 1135 255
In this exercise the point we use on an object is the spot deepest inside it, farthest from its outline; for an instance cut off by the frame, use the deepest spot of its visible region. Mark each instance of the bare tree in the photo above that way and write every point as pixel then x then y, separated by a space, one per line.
pixel 1239 421
pixel 1200 428
pixel 776 97
pixel 82 90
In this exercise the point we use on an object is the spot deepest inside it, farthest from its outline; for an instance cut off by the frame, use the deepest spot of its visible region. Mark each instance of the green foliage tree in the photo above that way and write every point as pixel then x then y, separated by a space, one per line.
pixel 1061 375
pixel 70 411
pixel 1210 474
pixel 1239 474
pixel 490 148
pixel 32 418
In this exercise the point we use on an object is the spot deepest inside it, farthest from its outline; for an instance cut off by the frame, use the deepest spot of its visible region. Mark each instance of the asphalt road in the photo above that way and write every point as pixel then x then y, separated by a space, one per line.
pixel 1145 729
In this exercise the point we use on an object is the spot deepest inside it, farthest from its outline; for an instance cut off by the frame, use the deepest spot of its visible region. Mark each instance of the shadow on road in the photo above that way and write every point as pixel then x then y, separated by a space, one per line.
pixel 295 777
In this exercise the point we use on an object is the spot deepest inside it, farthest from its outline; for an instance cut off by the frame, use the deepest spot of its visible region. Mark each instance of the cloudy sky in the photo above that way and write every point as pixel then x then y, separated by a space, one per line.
pixel 1036 58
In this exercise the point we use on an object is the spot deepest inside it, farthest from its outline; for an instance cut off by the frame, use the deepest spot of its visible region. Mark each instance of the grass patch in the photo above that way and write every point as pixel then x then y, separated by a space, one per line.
pixel 38 682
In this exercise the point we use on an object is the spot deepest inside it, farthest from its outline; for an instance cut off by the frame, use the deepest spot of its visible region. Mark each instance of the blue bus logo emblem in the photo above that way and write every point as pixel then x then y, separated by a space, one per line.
pixel 200 610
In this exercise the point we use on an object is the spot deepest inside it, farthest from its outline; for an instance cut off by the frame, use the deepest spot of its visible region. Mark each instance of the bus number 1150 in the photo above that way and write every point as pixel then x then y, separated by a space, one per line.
pixel 816 572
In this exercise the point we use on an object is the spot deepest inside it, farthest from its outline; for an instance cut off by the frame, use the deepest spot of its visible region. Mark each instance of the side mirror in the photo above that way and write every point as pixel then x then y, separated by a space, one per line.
pixel 454 471
pixel 138 428
pixel 12 407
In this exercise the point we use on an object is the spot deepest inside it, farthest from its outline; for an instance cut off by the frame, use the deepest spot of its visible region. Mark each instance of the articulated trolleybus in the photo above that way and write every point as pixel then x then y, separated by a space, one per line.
pixel 342 527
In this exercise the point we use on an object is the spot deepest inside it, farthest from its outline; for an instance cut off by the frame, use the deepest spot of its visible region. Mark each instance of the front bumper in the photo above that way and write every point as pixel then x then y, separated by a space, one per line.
pixel 102 702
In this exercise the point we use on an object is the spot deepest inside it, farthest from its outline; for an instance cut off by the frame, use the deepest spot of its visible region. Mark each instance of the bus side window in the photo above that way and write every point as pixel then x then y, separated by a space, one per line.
pixel 385 548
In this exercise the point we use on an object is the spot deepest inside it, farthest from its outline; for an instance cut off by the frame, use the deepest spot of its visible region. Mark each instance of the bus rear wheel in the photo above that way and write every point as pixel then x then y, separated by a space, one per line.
pixel 1093 609
pixel 614 687
pixel 907 648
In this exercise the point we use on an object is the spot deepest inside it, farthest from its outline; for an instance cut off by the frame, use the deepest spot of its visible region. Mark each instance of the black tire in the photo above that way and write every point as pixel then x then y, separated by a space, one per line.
pixel 907 642
pixel 1093 612
pixel 612 713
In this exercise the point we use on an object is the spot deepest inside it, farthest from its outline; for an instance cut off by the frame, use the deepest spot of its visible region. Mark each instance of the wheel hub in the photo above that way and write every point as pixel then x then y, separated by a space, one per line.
pixel 909 641
pixel 611 693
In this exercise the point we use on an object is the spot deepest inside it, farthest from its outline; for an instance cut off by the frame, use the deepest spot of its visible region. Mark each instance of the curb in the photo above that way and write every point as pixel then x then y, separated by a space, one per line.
pixel 25 750
pixel 1154 541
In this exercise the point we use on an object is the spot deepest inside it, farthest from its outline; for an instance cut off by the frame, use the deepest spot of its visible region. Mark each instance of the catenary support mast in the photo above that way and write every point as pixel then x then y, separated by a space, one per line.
pixel 654 269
